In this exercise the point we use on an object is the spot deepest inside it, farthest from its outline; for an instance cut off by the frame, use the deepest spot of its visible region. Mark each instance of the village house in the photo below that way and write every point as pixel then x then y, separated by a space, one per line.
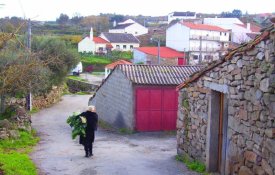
pixel 141 97
pixel 226 116
pixel 95 45
pixel 181 15
pixel 239 31
pixel 111 66
pixel 121 41
pixel 167 56
pixel 204 43
pixel 129 26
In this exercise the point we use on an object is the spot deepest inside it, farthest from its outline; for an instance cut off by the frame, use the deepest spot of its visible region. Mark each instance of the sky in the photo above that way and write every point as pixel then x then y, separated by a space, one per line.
pixel 49 10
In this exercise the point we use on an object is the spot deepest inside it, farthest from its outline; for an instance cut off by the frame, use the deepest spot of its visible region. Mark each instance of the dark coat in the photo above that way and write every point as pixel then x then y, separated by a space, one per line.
pixel 92 119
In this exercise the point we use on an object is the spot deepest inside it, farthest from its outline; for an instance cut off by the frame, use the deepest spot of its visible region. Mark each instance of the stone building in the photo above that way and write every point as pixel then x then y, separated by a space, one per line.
pixel 141 97
pixel 226 116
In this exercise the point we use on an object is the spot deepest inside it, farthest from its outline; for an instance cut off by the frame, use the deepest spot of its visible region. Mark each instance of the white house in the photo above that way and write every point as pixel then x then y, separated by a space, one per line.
pixel 239 31
pixel 181 15
pixel 203 42
pixel 131 27
pixel 87 44
pixel 121 41
pixel 92 44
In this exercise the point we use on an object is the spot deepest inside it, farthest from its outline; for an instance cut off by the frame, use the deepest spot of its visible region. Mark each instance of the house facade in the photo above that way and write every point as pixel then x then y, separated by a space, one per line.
pixel 238 29
pixel 181 15
pixel 141 97
pixel 129 26
pixel 226 111
pixel 121 41
pixel 149 55
pixel 93 44
pixel 204 43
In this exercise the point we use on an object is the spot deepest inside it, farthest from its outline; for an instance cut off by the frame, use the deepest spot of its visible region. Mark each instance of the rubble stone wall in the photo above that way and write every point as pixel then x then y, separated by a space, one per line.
pixel 248 80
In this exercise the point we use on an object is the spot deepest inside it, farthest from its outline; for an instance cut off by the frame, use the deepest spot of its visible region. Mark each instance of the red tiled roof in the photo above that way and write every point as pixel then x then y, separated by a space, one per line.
pixel 253 27
pixel 203 27
pixel 100 40
pixel 165 52
pixel 114 64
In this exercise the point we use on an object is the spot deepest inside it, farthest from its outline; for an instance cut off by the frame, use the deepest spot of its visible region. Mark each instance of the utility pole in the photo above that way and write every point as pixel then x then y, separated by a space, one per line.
pixel 29 96
pixel 158 51
pixel 200 56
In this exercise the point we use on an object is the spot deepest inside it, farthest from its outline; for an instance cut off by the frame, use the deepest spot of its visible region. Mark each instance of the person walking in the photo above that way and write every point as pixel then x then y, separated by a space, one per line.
pixel 92 120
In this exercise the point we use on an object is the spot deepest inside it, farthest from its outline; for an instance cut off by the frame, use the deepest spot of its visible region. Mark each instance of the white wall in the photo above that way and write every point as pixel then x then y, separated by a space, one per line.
pixel 177 37
pixel 139 56
pixel 134 29
pixel 86 45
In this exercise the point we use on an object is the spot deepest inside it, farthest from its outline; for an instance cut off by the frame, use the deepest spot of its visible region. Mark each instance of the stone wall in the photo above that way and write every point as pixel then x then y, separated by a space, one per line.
pixel 114 101
pixel 20 121
pixel 39 102
pixel 248 82
pixel 79 86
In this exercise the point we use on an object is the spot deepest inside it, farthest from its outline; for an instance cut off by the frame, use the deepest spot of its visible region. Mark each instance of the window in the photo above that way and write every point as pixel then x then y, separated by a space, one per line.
pixel 100 49
pixel 195 57
pixel 224 34
pixel 124 46
pixel 136 32
pixel 131 46
pixel 221 33
pixel 117 47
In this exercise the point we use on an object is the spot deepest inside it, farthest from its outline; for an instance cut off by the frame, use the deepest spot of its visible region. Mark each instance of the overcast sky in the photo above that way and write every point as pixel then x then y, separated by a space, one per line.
pixel 51 9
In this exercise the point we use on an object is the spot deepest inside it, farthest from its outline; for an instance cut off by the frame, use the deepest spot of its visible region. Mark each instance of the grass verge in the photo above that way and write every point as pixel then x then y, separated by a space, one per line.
pixel 76 78
pixel 14 158
pixel 192 165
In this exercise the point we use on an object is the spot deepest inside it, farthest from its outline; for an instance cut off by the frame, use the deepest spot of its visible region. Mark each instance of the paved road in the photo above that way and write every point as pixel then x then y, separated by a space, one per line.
pixel 114 154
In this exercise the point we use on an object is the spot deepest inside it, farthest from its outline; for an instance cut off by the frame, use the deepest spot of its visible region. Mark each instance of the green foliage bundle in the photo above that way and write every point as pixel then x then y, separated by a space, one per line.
pixel 77 125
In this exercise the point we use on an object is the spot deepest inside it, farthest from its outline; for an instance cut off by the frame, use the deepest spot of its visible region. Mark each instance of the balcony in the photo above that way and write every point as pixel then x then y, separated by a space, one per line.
pixel 206 38
pixel 204 49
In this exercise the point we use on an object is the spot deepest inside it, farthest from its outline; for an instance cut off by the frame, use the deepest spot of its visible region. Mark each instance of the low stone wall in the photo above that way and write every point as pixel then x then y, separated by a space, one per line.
pixel 79 86
pixel 39 102
pixel 20 121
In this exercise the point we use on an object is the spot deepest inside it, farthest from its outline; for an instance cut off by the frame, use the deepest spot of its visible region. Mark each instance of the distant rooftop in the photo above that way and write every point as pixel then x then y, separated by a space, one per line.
pixel 184 13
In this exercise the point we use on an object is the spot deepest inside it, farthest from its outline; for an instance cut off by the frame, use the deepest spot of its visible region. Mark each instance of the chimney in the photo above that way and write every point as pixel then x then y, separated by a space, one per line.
pixel 248 26
pixel 114 23
pixel 91 34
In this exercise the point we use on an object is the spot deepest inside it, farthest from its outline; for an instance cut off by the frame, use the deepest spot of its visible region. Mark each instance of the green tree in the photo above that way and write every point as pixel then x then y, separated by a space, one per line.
pixel 63 19
pixel 65 57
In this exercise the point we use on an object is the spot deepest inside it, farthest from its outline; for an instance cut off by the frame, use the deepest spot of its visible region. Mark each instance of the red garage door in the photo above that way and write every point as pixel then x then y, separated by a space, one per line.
pixel 156 109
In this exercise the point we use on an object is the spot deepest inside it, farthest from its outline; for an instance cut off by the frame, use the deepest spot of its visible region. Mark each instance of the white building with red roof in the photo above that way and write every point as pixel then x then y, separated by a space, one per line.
pixel 96 45
pixel 240 32
pixel 149 55
pixel 204 43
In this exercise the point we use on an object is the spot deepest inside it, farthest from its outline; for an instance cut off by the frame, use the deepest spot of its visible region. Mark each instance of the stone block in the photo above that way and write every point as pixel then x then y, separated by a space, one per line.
pixel 272 160
pixel 258 170
pixel 249 145
pixel 267 168
pixel 260 56
pixel 245 171
pixel 264 85
pixel 242 114
pixel 252 157
pixel 240 63
pixel 231 67
pixel 257 139
pixel 270 145
pixel 270 133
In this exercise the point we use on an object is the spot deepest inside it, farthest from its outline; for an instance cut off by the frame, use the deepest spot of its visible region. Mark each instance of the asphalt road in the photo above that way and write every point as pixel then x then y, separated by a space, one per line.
pixel 114 153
